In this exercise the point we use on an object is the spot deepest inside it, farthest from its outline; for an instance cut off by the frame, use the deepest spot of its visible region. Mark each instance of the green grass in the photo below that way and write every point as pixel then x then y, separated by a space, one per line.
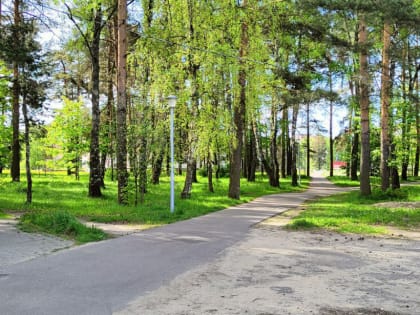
pixel 4 215
pixel 343 181
pixel 60 223
pixel 350 212
pixel 413 179
pixel 59 192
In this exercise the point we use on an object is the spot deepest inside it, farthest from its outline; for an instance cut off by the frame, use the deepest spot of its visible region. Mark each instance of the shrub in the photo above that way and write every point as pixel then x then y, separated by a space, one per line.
pixel 301 224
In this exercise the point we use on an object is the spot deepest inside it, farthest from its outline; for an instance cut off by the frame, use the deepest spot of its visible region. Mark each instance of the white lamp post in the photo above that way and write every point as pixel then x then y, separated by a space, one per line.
pixel 298 160
pixel 171 99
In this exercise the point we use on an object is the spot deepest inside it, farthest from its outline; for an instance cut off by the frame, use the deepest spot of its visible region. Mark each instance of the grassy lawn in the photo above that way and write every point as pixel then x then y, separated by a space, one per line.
pixel 350 212
pixel 343 181
pixel 58 192
pixel 4 215
pixel 60 223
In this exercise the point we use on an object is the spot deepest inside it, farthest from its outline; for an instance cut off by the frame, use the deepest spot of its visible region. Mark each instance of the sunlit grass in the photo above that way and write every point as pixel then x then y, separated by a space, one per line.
pixel 4 215
pixel 351 212
pixel 59 192
pixel 343 181
pixel 60 223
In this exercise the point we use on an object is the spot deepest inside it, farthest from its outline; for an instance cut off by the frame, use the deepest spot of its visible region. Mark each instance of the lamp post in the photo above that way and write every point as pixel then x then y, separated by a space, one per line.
pixel 298 160
pixel 171 99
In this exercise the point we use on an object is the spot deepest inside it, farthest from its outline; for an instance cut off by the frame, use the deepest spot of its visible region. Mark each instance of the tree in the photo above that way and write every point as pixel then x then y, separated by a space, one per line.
pixel 365 188
pixel 385 106
pixel 122 104
pixel 70 128
pixel 15 165
pixel 91 38
pixel 239 109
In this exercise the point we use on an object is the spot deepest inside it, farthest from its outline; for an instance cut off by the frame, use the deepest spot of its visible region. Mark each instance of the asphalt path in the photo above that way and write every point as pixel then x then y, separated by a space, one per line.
pixel 101 278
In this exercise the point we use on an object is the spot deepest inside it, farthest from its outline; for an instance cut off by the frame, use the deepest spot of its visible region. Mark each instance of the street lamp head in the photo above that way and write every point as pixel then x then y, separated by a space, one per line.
pixel 171 99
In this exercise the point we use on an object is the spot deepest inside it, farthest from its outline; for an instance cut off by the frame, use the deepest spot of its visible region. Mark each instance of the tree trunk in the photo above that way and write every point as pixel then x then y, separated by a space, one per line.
pixel 157 167
pixel 365 188
pixel 194 171
pixel 122 173
pixel 295 146
pixel 110 108
pixel 308 143
pixel 385 105
pixel 210 173
pixel 284 141
pixel 77 168
pixel 217 162
pixel 395 179
pixel 273 147
pixel 355 156
pixel 186 191
pixel 103 167
pixel 239 110
pixel 417 157
pixel 251 157
pixel 191 173
pixel 331 127
pixel 354 126
pixel 27 154
pixel 273 179
pixel 95 167
pixel 143 166
pixel 15 167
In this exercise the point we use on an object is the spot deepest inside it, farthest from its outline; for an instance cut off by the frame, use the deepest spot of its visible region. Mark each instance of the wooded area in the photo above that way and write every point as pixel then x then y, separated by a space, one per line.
pixel 249 76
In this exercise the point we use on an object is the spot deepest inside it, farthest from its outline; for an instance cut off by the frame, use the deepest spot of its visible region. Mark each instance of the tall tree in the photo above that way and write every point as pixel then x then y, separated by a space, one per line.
pixel 15 167
pixel 122 104
pixel 91 36
pixel 365 188
pixel 385 106
pixel 239 109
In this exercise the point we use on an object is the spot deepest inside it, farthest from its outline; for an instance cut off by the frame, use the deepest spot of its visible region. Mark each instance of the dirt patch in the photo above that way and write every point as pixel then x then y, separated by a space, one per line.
pixel 118 229
pixel 395 205
pixel 281 220
pixel 275 271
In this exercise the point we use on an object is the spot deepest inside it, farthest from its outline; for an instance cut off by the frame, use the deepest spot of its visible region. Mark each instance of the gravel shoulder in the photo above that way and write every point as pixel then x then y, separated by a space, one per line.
pixel 17 246
pixel 274 271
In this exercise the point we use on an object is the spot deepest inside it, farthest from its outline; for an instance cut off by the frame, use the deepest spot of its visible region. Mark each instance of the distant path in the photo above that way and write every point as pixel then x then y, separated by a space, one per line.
pixel 101 278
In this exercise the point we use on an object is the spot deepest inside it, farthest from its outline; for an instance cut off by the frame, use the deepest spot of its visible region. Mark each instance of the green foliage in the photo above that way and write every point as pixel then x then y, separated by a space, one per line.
pixel 5 129
pixel 351 212
pixel 68 134
pixel 60 223
pixel 4 215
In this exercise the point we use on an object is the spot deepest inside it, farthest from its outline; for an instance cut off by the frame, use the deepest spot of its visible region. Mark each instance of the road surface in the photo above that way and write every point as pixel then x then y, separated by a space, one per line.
pixel 102 278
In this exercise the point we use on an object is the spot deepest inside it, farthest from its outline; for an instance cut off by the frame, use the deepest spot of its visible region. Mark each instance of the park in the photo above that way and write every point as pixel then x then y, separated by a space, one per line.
pixel 209 157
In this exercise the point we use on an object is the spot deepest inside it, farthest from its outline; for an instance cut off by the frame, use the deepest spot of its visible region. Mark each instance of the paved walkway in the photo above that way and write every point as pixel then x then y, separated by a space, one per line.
pixel 17 246
pixel 103 277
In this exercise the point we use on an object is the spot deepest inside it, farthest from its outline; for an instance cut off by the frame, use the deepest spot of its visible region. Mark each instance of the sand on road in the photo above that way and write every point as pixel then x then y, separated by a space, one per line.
pixel 275 271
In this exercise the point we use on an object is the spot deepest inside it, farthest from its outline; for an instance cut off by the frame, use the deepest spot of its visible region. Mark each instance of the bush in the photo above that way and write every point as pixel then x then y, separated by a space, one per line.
pixel 60 223
pixel 301 224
